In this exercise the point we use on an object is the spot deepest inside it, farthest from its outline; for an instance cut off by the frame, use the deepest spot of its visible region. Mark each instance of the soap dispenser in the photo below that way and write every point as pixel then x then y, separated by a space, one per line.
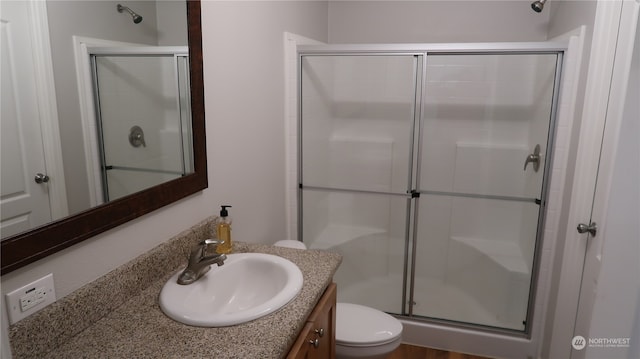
pixel 223 231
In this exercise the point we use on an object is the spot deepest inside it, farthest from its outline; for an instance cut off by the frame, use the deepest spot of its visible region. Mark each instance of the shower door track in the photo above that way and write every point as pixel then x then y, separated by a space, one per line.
pixel 481 196
pixel 414 194
pixel 437 48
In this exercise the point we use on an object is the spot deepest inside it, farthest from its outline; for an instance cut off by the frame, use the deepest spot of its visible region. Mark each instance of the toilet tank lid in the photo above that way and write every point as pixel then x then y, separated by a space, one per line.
pixel 290 243
pixel 359 325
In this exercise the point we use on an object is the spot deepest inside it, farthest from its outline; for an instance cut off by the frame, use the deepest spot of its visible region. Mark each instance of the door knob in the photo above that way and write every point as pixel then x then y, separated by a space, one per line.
pixel 41 178
pixel 533 158
pixel 591 228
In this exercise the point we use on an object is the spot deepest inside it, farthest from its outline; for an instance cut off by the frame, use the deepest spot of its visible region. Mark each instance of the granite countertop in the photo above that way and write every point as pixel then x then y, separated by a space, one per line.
pixel 137 328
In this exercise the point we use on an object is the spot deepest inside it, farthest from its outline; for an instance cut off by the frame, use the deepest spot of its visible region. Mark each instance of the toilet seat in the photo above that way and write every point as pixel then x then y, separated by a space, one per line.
pixel 357 325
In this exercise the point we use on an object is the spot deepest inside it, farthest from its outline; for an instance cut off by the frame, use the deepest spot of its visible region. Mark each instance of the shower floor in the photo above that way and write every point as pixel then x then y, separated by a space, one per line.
pixel 433 299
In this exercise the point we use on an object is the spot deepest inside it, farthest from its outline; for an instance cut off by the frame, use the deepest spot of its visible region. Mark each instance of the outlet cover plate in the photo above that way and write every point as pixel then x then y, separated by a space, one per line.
pixel 29 299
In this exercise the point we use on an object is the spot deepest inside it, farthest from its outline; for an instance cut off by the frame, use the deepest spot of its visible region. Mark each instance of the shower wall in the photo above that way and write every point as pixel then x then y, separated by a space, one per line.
pixel 355 22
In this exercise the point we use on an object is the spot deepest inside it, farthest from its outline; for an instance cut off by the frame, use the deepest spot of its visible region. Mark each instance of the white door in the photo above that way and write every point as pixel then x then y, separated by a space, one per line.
pixel 582 283
pixel 24 203
pixel 607 319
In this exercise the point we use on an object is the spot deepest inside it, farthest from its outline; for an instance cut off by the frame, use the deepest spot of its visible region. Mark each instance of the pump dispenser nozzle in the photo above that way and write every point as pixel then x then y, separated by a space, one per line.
pixel 223 231
pixel 223 211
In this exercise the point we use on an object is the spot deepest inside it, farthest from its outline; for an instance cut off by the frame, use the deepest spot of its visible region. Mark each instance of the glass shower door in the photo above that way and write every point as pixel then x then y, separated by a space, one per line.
pixel 483 160
pixel 357 119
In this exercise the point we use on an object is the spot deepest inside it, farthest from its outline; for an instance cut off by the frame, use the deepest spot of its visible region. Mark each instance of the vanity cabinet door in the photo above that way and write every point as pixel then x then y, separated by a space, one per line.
pixel 317 339
pixel 303 347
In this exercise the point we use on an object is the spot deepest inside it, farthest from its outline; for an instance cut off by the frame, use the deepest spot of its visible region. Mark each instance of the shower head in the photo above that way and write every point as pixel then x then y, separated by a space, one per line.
pixel 538 5
pixel 136 18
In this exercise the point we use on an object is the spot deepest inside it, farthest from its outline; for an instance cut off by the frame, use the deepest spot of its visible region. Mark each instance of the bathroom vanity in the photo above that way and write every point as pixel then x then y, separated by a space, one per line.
pixel 118 315
pixel 318 337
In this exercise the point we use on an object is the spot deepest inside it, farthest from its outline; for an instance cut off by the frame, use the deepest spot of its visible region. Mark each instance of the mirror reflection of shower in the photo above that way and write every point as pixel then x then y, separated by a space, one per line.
pixel 136 18
pixel 143 120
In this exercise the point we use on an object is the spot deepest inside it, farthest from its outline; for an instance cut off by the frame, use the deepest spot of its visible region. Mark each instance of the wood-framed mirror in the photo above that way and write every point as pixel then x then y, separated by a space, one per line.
pixel 30 246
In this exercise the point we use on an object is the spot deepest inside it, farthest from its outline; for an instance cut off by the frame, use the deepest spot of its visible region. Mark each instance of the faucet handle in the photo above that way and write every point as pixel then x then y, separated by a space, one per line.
pixel 200 250
pixel 210 241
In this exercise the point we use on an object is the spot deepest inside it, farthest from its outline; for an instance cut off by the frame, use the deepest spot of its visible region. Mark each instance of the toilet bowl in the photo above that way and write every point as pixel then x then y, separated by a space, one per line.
pixel 361 332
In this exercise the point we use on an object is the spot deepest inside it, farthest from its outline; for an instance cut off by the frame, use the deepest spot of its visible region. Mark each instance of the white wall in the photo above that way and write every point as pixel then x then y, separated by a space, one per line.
pixel 171 27
pixel 434 21
pixel 244 73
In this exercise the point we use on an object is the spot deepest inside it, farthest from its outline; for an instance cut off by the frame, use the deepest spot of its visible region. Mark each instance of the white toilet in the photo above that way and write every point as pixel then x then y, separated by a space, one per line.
pixel 361 332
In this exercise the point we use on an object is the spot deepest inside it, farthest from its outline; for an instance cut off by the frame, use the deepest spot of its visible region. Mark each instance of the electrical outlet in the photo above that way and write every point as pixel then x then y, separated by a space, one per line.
pixel 29 299
pixel 33 298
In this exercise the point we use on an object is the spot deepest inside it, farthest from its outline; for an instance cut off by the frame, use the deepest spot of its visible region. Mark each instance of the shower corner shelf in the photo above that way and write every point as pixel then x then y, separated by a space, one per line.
pixel 506 254
pixel 335 235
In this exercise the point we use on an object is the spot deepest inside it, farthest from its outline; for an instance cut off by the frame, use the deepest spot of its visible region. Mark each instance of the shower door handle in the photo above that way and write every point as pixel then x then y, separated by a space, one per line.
pixel 533 158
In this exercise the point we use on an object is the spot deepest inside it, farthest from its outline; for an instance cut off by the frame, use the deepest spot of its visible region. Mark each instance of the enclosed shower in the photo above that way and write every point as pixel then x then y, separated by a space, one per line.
pixel 427 167
pixel 142 104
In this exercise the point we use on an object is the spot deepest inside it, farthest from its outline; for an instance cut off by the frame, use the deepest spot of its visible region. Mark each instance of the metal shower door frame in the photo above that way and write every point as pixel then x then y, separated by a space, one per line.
pixel 424 50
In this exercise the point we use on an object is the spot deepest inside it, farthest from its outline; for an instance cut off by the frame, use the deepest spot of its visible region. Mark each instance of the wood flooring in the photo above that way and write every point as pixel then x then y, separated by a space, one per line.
pixel 406 351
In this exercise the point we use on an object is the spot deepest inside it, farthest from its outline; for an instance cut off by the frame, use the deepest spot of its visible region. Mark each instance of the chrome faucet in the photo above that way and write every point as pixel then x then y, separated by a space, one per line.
pixel 200 263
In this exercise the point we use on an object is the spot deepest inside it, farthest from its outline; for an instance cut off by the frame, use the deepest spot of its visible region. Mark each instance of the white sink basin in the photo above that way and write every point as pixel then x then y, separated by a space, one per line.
pixel 246 287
